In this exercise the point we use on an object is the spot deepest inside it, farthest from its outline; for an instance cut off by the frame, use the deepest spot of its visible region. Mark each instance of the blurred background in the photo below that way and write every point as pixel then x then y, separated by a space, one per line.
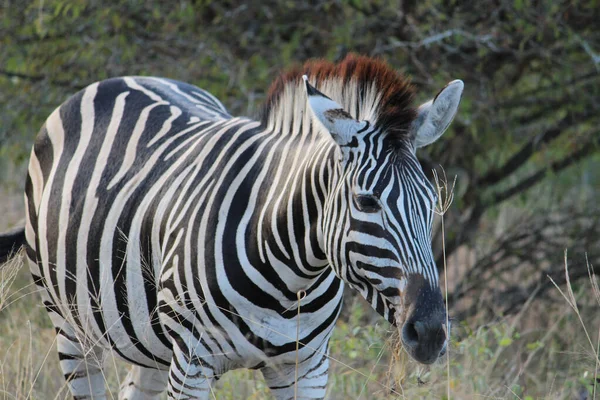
pixel 522 162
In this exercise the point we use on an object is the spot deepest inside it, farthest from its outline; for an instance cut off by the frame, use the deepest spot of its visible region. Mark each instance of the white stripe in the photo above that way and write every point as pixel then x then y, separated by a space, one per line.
pixel 88 211
pixel 56 135
pixel 85 134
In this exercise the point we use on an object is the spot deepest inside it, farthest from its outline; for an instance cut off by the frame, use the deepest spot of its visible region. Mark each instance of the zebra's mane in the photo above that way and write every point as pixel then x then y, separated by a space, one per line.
pixel 368 88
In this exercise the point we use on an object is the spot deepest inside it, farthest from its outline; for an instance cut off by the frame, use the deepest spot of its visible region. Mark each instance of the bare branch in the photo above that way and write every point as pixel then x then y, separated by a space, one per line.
pixel 40 78
pixel 530 97
pixel 518 159
pixel 486 40
pixel 535 178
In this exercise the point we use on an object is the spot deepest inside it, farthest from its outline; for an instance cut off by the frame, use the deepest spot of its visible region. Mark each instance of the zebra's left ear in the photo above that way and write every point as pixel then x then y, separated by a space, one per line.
pixel 340 124
pixel 436 115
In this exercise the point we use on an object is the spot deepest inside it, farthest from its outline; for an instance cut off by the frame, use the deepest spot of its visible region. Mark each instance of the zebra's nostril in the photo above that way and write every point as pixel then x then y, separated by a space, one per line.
pixel 410 335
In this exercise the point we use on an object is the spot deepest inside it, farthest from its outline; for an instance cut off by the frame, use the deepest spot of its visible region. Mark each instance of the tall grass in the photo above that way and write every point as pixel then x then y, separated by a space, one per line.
pixel 553 358
pixel 549 350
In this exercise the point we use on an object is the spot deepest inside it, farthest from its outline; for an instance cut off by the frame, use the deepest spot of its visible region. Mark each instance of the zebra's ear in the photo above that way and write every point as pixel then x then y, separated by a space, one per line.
pixel 436 115
pixel 340 124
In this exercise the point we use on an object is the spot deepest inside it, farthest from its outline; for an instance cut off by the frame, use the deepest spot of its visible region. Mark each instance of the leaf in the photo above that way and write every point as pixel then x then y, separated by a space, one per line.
pixel 534 345
pixel 518 5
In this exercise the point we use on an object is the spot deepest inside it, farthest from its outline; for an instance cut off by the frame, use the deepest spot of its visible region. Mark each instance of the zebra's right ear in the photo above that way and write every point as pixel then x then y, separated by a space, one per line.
pixel 338 122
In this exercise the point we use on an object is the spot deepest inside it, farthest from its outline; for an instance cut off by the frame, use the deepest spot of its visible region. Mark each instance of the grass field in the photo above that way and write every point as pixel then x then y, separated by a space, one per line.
pixel 548 351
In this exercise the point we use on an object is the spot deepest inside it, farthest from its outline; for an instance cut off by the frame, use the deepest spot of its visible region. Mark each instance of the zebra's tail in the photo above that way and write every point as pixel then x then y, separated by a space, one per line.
pixel 11 242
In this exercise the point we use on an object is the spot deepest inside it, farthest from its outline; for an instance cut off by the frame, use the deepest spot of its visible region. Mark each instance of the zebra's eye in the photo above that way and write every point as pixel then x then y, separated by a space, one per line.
pixel 367 203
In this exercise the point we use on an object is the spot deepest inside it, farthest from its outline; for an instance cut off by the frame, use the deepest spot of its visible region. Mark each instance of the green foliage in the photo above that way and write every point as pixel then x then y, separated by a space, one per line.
pixel 507 59
pixel 525 140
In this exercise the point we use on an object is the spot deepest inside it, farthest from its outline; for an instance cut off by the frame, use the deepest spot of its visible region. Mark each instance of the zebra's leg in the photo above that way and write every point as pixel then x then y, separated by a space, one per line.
pixel 143 383
pixel 81 365
pixel 189 377
pixel 312 379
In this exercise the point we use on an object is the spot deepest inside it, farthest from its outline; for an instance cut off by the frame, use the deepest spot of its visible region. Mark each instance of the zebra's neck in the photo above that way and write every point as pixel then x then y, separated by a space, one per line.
pixel 302 171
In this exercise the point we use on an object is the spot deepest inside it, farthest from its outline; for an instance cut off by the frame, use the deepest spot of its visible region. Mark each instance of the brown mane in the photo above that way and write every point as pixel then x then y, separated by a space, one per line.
pixel 394 109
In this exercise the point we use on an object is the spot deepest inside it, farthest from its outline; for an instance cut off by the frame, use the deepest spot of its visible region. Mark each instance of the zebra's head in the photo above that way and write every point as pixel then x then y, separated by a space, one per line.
pixel 379 212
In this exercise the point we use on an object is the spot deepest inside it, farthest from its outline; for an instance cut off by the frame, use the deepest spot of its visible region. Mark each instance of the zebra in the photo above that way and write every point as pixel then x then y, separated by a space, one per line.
pixel 190 242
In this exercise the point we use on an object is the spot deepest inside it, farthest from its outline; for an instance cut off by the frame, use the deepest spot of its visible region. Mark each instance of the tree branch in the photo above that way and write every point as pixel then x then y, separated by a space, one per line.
pixel 535 178
pixel 531 97
pixel 486 40
pixel 39 78
pixel 517 160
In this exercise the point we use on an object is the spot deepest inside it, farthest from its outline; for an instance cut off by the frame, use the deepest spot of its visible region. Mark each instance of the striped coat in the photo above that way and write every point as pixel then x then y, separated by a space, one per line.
pixel 182 238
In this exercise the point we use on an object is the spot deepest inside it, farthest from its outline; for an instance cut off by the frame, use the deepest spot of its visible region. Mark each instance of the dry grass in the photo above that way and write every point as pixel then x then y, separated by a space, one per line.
pixel 549 351
pixel 508 359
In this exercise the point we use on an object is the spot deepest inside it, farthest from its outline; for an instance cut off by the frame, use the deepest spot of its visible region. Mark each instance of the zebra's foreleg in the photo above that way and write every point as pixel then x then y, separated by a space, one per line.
pixel 143 383
pixel 189 377
pixel 312 379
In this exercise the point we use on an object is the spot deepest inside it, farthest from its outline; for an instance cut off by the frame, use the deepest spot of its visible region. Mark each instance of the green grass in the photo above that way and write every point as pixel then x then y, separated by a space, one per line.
pixel 541 353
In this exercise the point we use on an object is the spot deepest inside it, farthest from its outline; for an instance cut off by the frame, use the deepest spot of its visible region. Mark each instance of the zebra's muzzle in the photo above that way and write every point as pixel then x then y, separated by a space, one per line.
pixel 424 333
pixel 425 341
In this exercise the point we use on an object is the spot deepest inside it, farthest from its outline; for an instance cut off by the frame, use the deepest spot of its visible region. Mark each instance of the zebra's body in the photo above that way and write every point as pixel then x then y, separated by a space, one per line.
pixel 162 228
